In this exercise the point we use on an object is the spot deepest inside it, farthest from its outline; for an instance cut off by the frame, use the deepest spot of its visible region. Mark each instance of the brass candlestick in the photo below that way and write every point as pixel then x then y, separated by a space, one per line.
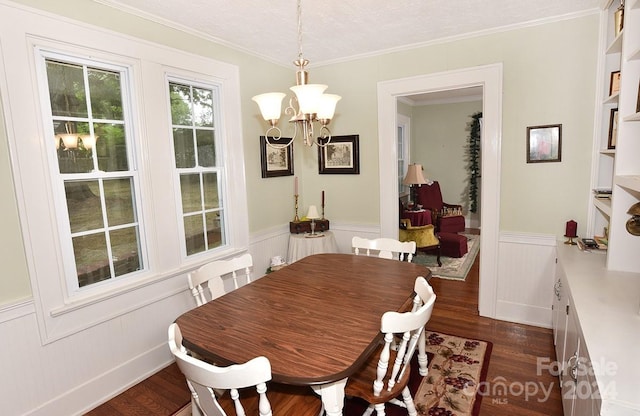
pixel 570 240
pixel 296 218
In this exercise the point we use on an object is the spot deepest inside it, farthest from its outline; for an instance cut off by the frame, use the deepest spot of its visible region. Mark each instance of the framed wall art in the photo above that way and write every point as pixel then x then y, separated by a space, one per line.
pixel 276 160
pixel 614 83
pixel 340 156
pixel 613 129
pixel 544 143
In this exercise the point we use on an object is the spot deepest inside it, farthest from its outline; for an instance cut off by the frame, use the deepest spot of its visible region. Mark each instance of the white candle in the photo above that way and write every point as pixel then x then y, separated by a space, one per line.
pixel 295 185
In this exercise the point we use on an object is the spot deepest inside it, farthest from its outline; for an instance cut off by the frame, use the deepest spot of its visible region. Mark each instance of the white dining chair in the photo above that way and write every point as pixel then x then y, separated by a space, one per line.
pixel 236 380
pixel 386 248
pixel 389 367
pixel 206 283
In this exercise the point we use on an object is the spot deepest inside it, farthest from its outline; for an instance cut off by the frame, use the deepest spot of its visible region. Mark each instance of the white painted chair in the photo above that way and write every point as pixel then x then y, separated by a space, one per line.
pixel 203 379
pixel 389 367
pixel 386 248
pixel 206 283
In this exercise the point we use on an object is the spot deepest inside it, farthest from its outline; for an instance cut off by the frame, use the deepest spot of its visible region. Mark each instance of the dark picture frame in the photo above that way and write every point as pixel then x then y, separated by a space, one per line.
pixel 638 102
pixel 613 129
pixel 614 83
pixel 340 156
pixel 276 160
pixel 544 143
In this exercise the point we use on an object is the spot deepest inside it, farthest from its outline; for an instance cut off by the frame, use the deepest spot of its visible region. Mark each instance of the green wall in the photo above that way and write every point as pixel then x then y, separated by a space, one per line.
pixel 549 77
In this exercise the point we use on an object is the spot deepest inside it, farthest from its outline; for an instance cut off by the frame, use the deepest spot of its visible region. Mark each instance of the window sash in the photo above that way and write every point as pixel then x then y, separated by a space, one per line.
pixel 99 253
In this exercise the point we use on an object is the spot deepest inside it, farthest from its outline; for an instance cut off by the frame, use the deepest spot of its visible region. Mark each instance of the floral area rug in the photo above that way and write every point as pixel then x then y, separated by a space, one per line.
pixel 452 268
pixel 453 386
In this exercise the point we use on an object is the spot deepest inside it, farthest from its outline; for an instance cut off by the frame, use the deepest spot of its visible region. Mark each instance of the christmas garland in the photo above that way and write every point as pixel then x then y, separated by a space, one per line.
pixel 474 160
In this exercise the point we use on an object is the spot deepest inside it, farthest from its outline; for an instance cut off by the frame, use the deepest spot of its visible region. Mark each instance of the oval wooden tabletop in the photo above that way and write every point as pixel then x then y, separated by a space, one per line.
pixel 316 320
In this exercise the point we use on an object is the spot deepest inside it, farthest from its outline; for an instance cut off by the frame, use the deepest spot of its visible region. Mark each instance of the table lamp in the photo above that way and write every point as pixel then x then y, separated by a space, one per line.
pixel 313 215
pixel 414 178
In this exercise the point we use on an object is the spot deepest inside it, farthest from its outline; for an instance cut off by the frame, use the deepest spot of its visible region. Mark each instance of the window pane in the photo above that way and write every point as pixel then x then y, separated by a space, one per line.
pixel 190 190
pixel 183 148
pixel 206 148
pixel 106 96
pixel 125 249
pixel 211 195
pixel 194 234
pixel 83 205
pixel 180 97
pixel 66 89
pixel 111 147
pixel 203 107
pixel 92 261
pixel 118 195
pixel 214 230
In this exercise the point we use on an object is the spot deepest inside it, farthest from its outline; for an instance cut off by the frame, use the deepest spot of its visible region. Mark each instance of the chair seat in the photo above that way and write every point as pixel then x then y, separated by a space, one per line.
pixel 285 400
pixel 359 384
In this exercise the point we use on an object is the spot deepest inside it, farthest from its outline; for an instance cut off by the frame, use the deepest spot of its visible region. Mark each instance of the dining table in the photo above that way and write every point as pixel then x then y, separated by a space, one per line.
pixel 317 320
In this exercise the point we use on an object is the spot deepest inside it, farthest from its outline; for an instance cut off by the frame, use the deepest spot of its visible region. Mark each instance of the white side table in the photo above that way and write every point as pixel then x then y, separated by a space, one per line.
pixel 301 246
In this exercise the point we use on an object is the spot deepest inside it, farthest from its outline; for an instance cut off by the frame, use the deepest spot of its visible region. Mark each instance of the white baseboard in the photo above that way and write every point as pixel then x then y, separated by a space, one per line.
pixel 108 385
pixel 524 314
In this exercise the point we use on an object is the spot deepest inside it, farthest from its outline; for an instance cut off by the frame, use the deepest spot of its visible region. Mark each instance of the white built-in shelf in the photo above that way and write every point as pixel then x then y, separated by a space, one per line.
pixel 632 117
pixel 631 182
pixel 616 45
pixel 613 98
pixel 604 205
pixel 608 152
pixel 634 55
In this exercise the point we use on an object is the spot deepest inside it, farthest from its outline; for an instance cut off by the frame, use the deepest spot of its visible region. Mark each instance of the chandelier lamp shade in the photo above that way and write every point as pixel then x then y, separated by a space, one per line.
pixel 307 106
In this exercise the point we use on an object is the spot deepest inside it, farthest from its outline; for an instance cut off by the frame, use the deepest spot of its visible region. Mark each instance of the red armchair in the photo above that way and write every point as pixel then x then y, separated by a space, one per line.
pixel 447 218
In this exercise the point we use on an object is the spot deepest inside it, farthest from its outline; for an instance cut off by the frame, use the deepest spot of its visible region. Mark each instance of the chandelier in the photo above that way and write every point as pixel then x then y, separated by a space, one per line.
pixel 310 104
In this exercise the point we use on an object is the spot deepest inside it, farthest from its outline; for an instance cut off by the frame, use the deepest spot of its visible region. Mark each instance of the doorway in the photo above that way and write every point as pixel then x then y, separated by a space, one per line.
pixel 490 79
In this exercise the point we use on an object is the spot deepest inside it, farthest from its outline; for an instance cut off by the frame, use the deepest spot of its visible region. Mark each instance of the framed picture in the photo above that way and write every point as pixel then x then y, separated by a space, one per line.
pixel 544 143
pixel 276 160
pixel 614 83
pixel 613 129
pixel 340 156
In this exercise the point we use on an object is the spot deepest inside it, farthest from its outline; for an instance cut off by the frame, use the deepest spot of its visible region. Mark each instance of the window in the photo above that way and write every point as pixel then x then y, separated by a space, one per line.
pixel 403 140
pixel 93 148
pixel 89 127
pixel 193 110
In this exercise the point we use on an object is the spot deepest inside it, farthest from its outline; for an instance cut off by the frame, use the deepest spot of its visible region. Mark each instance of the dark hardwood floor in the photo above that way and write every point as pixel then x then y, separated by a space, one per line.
pixel 515 386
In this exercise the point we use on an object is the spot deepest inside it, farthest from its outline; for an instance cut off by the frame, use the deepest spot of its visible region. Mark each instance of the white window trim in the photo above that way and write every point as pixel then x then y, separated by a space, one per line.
pixel 405 123
pixel 58 315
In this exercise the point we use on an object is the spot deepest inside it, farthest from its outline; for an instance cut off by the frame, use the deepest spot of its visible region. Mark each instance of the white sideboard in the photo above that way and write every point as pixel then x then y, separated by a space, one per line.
pixel 597 317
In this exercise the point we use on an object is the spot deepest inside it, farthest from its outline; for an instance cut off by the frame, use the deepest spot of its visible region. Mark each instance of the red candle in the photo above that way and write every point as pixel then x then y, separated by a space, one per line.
pixel 572 228
pixel 322 198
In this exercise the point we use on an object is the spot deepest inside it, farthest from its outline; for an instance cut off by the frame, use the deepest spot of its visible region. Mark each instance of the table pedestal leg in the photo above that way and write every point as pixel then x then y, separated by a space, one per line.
pixel 332 395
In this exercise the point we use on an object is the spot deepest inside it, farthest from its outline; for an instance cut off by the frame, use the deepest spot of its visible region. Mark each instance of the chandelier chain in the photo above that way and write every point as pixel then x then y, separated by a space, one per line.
pixel 300 29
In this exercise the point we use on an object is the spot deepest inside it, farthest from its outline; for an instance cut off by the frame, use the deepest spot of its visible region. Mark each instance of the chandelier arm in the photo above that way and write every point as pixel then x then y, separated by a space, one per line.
pixel 271 129
pixel 278 145
pixel 325 133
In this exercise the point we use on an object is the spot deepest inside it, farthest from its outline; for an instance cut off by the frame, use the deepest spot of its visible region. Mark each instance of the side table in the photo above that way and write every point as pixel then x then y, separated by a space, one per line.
pixel 301 246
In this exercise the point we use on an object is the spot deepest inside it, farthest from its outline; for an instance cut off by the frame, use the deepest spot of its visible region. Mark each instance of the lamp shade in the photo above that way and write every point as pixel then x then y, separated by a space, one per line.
pixel 270 104
pixel 414 175
pixel 88 141
pixel 327 106
pixel 308 96
pixel 69 140
pixel 312 214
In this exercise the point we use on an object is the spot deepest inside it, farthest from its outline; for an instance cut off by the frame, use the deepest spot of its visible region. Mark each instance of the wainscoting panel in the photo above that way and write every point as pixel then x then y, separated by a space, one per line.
pixel 526 268
pixel 74 374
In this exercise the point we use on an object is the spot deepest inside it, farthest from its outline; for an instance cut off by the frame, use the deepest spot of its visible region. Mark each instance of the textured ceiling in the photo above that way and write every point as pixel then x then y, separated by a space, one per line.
pixel 335 30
